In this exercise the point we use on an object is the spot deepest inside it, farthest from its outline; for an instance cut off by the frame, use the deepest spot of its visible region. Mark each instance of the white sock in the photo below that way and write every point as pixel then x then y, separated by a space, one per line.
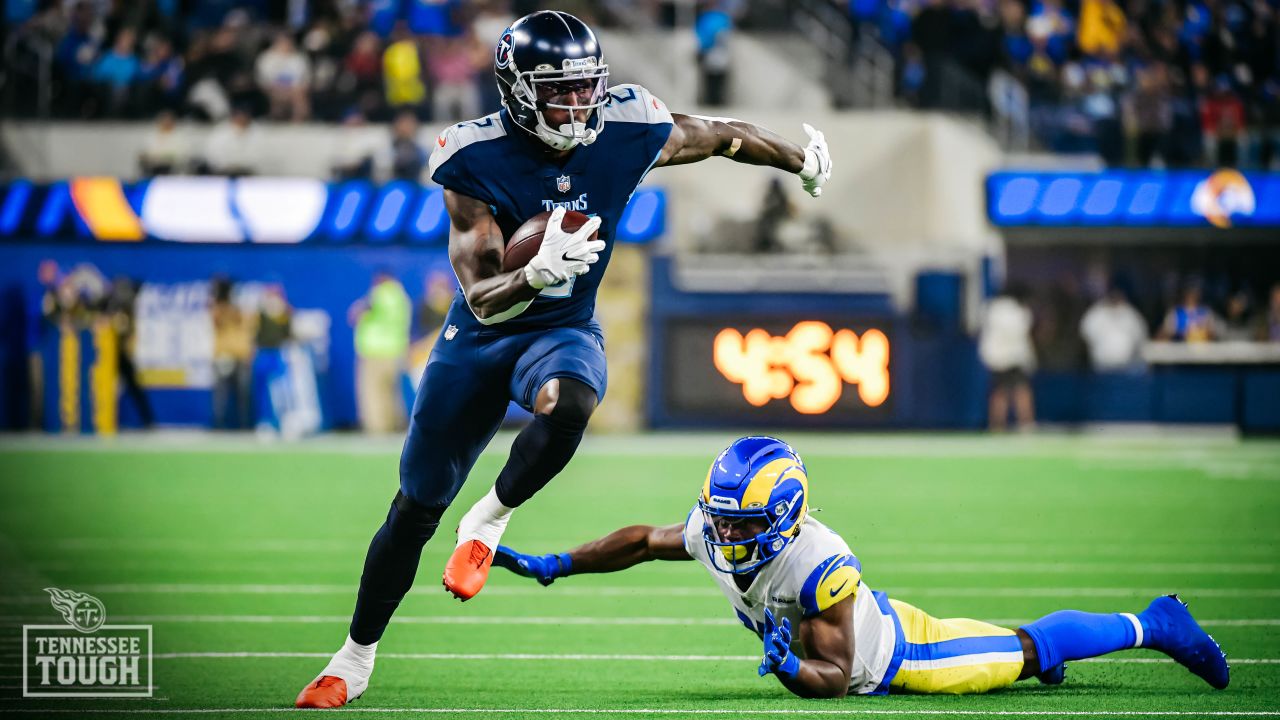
pixel 354 664
pixel 485 521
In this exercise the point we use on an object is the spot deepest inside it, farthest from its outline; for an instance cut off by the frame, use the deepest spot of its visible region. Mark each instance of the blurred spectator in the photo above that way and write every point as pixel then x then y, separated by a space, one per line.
pixel 1102 27
pixel 455 92
pixel 356 148
pixel 1004 345
pixel 774 210
pixel 1114 332
pixel 1237 324
pixel 274 329
pixel 120 311
pixel 234 147
pixel 1222 116
pixel 167 149
pixel 361 77
pixel 713 29
pixel 115 72
pixel 381 320
pixel 402 70
pixel 232 352
pixel 437 296
pixel 76 52
pixel 160 76
pixel 1271 326
pixel 284 75
pixel 405 158
pixel 1190 321
pixel 1149 114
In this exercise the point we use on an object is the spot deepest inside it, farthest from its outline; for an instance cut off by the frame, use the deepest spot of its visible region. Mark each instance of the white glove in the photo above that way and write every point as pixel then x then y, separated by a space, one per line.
pixel 563 255
pixel 817 162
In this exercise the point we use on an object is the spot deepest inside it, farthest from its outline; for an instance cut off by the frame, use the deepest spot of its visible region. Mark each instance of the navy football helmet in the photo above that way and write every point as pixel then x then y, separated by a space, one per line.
pixel 552 60
pixel 753 503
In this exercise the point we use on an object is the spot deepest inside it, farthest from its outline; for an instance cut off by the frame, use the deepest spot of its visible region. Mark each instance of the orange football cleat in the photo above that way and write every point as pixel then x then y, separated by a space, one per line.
pixel 467 569
pixel 325 691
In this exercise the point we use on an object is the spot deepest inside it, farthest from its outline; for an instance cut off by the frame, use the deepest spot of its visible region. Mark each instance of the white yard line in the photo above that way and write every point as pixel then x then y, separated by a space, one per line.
pixel 570 589
pixel 846 712
pixel 602 657
pixel 523 620
pixel 1080 550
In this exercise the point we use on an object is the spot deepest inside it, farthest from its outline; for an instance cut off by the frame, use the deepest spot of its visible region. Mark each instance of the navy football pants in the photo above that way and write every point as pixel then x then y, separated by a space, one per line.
pixel 463 396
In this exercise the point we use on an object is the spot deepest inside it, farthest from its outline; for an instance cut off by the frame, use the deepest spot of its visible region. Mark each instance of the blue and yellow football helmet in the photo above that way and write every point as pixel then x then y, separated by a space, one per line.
pixel 756 478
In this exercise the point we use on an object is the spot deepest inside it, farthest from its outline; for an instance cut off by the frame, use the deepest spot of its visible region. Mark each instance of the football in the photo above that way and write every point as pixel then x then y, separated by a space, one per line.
pixel 524 244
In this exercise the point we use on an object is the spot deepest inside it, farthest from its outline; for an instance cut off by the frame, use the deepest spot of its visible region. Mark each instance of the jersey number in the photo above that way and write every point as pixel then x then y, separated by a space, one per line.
pixel 563 290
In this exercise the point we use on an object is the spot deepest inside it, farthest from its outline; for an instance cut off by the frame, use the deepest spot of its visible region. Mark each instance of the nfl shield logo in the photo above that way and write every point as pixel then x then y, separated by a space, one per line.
pixel 563 184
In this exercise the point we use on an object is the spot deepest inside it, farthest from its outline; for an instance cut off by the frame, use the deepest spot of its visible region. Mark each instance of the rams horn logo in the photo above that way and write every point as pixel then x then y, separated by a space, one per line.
pixel 82 611
pixel 1221 195
pixel 502 56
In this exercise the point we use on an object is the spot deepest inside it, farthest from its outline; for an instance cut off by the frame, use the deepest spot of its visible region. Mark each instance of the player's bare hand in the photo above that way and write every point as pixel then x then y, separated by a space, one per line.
pixel 817 162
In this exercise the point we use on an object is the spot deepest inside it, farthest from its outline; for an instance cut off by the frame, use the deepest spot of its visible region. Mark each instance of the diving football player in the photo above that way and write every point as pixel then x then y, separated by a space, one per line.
pixel 563 140
pixel 795 583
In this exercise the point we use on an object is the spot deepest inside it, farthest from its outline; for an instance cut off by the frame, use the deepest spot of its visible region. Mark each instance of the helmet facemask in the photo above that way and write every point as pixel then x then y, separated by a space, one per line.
pixel 781 524
pixel 580 85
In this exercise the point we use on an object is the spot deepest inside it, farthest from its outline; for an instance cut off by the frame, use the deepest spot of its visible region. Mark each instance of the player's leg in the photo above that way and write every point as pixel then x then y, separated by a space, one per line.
pixel 998 403
pixel 1166 625
pixel 956 656
pixel 457 411
pixel 561 377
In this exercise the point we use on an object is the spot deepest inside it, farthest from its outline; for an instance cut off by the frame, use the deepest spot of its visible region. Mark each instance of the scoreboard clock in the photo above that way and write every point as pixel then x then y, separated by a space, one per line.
pixel 794 370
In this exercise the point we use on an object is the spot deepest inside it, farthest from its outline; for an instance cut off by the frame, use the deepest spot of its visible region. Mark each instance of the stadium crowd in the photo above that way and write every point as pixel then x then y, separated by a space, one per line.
pixel 1140 82
pixel 1179 82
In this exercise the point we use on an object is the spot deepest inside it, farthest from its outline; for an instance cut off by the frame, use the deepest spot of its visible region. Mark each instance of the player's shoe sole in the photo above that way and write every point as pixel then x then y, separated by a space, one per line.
pixel 1175 633
pixel 325 691
pixel 468 569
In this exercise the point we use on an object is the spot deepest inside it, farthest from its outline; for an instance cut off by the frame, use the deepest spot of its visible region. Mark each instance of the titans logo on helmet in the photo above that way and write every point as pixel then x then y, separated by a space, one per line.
pixel 502 54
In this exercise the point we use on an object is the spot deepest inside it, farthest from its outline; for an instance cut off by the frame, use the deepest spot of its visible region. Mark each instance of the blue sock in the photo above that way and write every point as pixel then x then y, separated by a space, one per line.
pixel 1074 635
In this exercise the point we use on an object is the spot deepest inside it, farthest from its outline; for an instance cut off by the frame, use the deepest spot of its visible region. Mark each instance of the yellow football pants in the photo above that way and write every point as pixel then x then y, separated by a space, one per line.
pixel 956 655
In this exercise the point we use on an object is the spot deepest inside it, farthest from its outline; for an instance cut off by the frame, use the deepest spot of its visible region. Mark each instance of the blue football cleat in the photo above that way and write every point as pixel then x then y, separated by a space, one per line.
pixel 1174 632
pixel 1054 675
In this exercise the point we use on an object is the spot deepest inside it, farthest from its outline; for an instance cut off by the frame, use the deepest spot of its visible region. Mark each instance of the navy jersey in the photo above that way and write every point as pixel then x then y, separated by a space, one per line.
pixel 494 161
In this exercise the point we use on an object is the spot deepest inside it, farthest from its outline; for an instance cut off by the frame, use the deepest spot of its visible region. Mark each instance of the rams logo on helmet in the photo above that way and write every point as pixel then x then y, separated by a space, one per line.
pixel 754 503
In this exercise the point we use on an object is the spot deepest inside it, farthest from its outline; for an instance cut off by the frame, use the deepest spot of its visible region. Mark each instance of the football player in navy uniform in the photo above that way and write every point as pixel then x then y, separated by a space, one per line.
pixel 563 140
pixel 794 582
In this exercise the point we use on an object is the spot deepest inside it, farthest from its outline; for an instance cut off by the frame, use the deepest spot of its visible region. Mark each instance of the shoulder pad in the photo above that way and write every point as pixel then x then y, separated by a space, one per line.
pixel 835 579
pixel 455 137
pixel 633 103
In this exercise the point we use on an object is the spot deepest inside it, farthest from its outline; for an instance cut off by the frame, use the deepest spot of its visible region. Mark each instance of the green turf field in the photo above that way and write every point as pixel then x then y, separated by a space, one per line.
pixel 245 559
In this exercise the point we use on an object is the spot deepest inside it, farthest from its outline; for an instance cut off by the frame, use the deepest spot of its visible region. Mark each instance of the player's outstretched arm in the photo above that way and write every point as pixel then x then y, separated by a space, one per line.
pixel 828 647
pixel 616 551
pixel 696 137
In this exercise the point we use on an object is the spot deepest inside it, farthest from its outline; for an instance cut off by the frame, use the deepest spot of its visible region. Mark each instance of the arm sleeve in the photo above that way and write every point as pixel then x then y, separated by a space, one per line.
pixel 835 579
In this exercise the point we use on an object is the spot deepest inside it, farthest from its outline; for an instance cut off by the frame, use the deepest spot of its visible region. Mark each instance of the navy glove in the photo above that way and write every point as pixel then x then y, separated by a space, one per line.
pixel 543 568
pixel 778 658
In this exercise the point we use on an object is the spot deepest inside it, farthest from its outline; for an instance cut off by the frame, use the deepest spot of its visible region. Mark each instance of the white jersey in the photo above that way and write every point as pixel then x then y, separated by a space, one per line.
pixel 814 572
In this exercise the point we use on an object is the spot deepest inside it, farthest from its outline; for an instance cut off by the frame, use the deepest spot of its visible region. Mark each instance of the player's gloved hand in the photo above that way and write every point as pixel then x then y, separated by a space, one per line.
pixel 543 568
pixel 562 254
pixel 817 162
pixel 778 658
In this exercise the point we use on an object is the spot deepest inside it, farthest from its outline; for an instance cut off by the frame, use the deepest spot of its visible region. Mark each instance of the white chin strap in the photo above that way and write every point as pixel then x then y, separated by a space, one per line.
pixel 569 137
